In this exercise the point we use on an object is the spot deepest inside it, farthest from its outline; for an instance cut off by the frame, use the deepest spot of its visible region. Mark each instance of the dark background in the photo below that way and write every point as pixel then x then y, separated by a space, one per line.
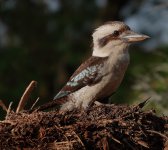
pixel 47 40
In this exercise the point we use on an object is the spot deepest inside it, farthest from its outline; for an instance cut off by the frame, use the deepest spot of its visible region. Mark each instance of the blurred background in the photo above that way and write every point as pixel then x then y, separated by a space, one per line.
pixel 46 40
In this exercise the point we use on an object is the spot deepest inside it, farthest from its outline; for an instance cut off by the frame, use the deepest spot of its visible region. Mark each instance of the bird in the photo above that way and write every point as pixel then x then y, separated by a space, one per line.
pixel 101 74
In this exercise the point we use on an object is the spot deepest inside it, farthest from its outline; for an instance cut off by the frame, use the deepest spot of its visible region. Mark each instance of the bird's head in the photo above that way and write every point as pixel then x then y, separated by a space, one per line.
pixel 114 36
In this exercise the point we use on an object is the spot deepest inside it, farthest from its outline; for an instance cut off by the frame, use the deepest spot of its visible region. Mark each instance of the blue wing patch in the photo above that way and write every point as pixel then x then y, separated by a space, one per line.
pixel 61 94
pixel 88 73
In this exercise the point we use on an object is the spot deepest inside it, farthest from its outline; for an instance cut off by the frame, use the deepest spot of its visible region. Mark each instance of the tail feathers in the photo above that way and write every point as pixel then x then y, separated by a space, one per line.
pixel 52 104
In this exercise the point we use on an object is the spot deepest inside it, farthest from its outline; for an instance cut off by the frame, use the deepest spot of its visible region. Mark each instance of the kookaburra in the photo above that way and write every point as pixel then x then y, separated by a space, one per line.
pixel 100 75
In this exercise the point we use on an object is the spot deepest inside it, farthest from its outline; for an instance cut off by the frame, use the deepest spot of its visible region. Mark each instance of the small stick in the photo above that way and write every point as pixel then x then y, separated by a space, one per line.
pixel 3 106
pixel 162 135
pixel 142 104
pixel 9 109
pixel 26 96
pixel 34 103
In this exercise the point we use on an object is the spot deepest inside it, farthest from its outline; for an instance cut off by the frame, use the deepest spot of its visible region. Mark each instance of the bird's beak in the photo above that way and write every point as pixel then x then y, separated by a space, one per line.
pixel 132 37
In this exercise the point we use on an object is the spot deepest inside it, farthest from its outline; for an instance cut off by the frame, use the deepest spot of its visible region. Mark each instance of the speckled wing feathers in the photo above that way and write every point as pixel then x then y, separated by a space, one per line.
pixel 87 74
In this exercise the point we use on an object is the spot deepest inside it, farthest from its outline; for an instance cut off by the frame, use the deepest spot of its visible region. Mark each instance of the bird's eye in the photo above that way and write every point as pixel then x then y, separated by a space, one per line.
pixel 116 33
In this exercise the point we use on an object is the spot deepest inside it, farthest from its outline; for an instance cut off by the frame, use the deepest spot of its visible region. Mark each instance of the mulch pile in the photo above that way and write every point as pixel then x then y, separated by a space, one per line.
pixel 106 127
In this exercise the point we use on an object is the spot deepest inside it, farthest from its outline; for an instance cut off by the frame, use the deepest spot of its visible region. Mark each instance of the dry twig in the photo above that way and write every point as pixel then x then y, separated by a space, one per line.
pixel 26 96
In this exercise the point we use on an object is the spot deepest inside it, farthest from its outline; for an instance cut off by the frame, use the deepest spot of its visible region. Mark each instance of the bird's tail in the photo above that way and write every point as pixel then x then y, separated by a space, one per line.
pixel 52 104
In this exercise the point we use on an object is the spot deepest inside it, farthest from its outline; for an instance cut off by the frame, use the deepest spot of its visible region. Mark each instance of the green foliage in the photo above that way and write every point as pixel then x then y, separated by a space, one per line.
pixel 147 76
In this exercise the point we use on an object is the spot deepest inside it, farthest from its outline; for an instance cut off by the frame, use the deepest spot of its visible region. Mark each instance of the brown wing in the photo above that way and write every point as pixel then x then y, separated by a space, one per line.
pixel 87 74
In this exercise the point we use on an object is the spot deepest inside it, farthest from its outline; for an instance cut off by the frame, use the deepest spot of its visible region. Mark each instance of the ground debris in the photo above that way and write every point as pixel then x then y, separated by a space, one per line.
pixel 104 127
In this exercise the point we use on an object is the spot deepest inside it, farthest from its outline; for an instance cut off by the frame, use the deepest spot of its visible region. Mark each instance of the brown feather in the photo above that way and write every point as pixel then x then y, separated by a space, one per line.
pixel 90 62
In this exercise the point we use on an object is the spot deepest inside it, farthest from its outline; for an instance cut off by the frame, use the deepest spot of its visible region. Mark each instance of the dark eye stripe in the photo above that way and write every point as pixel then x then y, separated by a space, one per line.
pixel 103 41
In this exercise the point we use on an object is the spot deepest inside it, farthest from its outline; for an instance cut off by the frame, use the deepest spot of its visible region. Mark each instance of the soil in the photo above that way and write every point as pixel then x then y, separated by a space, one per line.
pixel 105 127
